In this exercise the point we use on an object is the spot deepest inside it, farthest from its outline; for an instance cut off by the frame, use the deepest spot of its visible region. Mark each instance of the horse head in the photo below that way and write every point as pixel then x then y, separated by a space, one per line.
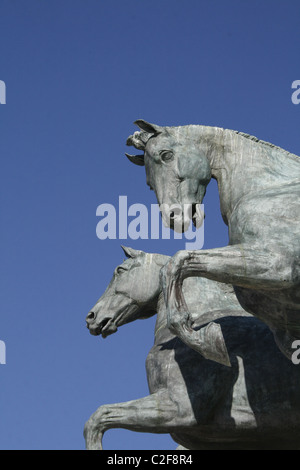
pixel 177 169
pixel 131 294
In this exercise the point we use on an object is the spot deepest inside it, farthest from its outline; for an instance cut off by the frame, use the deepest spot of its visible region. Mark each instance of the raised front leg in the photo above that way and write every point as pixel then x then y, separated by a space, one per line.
pixel 154 414
pixel 239 265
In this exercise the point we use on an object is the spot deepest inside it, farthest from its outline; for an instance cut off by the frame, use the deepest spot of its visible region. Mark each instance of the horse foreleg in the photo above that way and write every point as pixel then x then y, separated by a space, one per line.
pixel 240 265
pixel 155 413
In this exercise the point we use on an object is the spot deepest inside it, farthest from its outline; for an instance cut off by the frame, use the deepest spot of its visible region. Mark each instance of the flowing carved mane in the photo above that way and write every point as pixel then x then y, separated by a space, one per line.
pixel 268 144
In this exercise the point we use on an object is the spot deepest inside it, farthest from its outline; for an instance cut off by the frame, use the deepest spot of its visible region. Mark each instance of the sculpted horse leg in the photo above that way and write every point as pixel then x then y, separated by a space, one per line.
pixel 239 265
pixel 155 413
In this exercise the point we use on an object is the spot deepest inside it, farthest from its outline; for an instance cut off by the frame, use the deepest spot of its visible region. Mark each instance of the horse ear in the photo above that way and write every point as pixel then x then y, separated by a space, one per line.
pixel 130 252
pixel 147 127
pixel 136 159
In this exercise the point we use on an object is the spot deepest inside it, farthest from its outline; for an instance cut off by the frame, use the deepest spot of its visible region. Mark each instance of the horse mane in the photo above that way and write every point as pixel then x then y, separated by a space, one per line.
pixel 254 139
pixel 263 142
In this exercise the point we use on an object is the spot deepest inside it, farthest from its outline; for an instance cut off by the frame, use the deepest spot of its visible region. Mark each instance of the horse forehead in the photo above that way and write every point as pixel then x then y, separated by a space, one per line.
pixel 173 137
pixel 163 140
pixel 142 261
pixel 145 260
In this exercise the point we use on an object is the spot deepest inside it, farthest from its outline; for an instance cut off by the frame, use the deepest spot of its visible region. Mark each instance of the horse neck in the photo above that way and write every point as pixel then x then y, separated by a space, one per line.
pixel 242 164
pixel 158 303
pixel 162 333
pixel 154 303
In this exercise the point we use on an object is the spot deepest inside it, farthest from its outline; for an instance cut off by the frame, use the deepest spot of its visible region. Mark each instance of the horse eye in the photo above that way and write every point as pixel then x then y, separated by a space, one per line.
pixel 120 269
pixel 166 155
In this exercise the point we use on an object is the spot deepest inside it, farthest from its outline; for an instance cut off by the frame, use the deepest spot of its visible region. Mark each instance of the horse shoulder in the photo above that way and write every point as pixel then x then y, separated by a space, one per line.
pixel 272 214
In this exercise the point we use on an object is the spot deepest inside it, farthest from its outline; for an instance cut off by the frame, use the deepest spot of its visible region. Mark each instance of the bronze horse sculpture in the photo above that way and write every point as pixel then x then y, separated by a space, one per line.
pixel 259 189
pixel 254 404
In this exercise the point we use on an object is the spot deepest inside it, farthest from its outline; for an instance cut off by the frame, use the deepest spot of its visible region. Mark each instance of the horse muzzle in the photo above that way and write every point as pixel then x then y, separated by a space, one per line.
pixel 104 327
pixel 178 218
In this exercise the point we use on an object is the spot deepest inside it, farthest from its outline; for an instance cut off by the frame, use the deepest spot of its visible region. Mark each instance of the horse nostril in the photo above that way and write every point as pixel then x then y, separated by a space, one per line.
pixel 90 317
pixel 175 213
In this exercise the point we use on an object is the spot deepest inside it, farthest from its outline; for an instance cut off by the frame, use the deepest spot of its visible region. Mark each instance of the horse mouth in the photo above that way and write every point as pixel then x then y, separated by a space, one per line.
pixel 197 215
pixel 179 220
pixel 105 328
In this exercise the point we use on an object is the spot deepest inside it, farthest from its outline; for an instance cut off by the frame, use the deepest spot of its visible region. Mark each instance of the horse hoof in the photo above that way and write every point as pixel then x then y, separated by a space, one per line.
pixel 213 343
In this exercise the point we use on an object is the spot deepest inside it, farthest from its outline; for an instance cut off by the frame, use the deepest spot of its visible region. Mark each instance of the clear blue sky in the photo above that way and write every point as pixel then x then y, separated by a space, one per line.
pixel 78 73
